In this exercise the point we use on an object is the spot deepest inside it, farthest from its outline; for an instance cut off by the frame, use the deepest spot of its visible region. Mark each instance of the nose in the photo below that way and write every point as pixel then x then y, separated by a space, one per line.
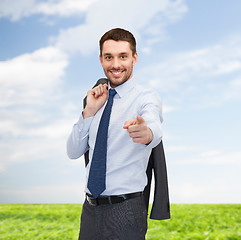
pixel 116 63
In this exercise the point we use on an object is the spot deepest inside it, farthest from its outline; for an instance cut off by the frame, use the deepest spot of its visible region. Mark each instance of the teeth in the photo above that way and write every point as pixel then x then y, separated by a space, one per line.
pixel 116 73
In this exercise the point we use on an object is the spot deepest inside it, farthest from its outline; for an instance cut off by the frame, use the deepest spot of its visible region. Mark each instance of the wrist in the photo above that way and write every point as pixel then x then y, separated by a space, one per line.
pixel 150 136
pixel 88 113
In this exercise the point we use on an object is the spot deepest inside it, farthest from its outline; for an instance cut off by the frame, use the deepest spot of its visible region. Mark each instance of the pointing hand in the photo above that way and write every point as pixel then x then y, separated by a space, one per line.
pixel 138 130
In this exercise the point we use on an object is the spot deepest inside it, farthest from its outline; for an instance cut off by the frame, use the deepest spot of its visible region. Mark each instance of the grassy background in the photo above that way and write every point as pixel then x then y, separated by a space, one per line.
pixel 61 221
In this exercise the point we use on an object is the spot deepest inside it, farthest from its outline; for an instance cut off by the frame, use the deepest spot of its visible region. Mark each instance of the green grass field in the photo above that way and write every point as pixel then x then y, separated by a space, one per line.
pixel 61 221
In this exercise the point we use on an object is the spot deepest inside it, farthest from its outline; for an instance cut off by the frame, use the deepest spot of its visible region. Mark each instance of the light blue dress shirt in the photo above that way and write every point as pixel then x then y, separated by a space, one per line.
pixel 126 161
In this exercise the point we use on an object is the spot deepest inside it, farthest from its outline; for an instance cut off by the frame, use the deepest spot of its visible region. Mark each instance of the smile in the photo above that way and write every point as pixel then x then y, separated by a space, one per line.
pixel 117 73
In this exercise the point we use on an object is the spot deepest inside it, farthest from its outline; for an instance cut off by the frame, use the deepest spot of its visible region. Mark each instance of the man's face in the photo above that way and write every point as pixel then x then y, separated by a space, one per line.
pixel 117 61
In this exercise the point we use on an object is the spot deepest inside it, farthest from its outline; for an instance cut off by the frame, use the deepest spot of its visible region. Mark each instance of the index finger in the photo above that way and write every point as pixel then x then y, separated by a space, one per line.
pixel 128 123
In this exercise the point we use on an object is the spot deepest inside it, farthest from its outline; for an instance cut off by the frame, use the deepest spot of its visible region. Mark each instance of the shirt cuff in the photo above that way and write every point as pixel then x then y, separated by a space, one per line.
pixel 84 125
pixel 157 135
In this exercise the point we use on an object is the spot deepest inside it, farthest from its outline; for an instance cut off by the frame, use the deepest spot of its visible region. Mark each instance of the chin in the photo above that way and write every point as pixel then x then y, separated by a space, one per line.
pixel 117 82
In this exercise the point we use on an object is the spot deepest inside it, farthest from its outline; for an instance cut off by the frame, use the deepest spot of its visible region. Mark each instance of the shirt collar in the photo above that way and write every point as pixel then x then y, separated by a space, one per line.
pixel 124 88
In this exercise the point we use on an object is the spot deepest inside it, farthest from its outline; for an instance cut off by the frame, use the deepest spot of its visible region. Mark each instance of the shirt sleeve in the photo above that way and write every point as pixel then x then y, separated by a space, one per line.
pixel 151 111
pixel 77 143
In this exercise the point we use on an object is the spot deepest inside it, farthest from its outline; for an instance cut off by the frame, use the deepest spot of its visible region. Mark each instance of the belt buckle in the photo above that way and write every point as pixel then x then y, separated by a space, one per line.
pixel 91 201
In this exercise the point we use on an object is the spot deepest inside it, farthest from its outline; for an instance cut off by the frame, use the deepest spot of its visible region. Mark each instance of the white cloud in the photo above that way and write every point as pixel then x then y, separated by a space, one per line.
pixel 102 17
pixel 233 89
pixel 22 149
pixel 228 67
pixel 205 78
pixel 216 191
pixel 150 20
pixel 176 10
pixel 31 77
pixel 21 126
pixel 63 7
pixel 236 82
pixel 62 193
pixel 200 65
pixel 213 157
pixel 167 109
pixel 16 9
pixel 27 139
pixel 187 193
pixel 179 148
pixel 30 93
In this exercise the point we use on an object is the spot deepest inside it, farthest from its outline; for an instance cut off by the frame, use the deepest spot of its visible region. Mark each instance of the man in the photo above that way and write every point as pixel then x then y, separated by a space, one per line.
pixel 119 126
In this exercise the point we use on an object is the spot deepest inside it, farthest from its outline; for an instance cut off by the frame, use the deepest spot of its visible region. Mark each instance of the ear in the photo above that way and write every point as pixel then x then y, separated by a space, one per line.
pixel 101 60
pixel 135 58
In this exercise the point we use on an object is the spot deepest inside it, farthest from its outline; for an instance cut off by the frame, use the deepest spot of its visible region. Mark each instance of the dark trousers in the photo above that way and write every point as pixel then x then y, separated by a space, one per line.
pixel 121 221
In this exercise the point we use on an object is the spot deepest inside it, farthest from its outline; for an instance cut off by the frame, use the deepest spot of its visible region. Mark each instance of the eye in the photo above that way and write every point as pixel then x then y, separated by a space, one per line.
pixel 108 57
pixel 123 57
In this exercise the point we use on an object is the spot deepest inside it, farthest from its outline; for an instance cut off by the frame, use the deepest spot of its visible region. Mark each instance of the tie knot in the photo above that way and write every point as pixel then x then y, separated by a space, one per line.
pixel 112 92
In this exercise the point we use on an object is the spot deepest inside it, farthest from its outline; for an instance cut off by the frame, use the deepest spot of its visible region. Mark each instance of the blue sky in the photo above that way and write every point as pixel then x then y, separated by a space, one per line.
pixel 189 52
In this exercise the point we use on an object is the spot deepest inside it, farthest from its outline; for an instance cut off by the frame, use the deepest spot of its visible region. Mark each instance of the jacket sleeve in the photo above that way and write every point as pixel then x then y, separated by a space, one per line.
pixel 157 164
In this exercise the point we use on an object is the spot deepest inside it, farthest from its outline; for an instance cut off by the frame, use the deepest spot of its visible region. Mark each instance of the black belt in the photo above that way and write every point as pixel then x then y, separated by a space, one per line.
pixel 111 199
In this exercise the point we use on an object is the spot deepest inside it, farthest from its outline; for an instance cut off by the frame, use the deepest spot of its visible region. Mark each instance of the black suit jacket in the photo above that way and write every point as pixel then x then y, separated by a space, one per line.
pixel 157 164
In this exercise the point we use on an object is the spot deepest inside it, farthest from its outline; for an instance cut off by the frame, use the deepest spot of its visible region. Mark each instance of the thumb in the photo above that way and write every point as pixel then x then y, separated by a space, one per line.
pixel 139 119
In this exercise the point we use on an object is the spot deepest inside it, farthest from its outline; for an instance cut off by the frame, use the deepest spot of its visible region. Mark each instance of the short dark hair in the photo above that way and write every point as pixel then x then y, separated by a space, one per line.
pixel 119 34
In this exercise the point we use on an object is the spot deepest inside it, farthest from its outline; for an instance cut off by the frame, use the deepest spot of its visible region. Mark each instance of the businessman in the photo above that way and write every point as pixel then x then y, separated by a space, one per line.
pixel 118 128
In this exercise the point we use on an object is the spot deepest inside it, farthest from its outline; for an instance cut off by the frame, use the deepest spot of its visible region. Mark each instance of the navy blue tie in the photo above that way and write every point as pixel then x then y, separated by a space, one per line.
pixel 96 182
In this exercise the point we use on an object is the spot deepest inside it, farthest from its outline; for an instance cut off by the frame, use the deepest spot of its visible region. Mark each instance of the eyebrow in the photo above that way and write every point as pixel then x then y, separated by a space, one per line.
pixel 123 53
